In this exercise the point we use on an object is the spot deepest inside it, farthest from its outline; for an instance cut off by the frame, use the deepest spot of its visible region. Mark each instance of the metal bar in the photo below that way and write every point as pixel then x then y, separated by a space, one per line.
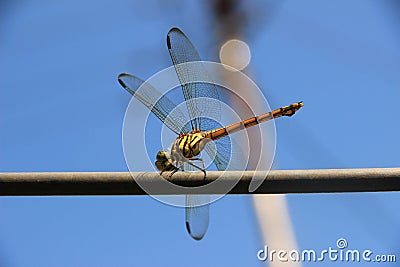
pixel 125 183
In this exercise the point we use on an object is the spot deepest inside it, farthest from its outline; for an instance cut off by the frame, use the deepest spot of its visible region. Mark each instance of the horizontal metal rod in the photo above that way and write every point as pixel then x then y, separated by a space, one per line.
pixel 125 183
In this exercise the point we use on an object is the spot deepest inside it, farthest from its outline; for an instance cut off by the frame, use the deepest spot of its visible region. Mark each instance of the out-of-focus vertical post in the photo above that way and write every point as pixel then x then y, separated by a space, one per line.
pixel 271 210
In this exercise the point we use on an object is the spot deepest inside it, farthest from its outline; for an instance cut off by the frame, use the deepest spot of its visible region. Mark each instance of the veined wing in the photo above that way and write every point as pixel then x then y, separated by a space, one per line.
pixel 197 217
pixel 197 214
pixel 182 51
pixel 195 93
pixel 221 151
pixel 159 104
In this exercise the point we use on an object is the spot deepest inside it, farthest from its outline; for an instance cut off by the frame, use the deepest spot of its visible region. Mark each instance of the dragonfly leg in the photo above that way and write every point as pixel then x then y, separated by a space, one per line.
pixel 167 169
pixel 194 165
pixel 202 162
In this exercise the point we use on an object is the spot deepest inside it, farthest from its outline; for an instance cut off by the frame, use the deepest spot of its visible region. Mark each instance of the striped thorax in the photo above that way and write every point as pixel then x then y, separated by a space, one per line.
pixel 184 148
pixel 188 145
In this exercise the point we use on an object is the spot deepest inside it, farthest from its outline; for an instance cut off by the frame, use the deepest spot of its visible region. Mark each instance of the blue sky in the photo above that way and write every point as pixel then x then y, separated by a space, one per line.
pixel 62 110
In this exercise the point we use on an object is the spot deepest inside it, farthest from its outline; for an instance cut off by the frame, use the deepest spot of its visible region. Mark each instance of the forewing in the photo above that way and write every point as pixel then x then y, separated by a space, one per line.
pixel 195 93
pixel 158 103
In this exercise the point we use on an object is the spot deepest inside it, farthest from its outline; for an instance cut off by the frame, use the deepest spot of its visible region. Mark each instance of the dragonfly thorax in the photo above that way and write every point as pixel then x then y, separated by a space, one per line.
pixel 184 149
pixel 187 146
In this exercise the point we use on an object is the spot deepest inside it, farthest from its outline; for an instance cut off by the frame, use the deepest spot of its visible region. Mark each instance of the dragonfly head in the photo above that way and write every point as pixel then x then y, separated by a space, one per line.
pixel 163 161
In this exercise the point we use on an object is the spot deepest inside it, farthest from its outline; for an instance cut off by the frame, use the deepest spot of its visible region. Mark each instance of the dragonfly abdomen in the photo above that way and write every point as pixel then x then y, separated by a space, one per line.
pixel 224 131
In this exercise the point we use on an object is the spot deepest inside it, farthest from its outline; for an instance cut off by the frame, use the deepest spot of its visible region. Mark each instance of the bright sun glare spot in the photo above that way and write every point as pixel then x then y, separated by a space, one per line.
pixel 235 53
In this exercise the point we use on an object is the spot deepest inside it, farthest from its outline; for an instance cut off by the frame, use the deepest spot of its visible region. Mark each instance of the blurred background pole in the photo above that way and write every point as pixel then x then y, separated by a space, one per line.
pixel 233 19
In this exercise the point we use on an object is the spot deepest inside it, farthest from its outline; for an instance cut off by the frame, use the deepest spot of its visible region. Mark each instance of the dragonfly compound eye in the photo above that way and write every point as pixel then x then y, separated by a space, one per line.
pixel 163 155
pixel 163 161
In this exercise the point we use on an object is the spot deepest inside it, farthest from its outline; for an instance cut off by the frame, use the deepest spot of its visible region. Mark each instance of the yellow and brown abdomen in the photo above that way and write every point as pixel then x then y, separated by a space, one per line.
pixel 235 127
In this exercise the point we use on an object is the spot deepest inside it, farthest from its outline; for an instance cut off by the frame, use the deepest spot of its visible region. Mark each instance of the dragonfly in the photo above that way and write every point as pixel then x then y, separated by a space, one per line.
pixel 195 135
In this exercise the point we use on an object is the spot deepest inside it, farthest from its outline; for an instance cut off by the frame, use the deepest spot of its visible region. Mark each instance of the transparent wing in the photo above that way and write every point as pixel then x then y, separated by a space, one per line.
pixel 220 151
pixel 195 93
pixel 183 51
pixel 197 217
pixel 159 104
